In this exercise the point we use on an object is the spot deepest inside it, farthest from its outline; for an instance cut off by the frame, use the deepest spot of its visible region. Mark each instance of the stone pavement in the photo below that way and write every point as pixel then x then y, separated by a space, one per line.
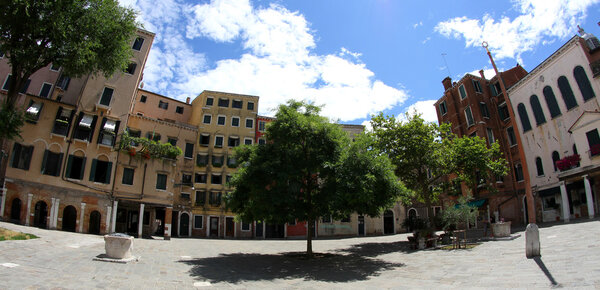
pixel 570 259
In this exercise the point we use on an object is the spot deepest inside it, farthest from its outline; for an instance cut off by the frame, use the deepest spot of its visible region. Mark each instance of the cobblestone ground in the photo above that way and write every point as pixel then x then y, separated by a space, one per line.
pixel 570 259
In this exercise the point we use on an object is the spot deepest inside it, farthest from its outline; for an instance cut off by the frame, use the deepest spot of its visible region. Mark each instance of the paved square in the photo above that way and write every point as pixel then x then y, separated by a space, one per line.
pixel 570 258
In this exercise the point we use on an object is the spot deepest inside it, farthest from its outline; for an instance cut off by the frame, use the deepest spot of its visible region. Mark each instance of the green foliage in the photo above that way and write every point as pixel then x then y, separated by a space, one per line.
pixel 462 212
pixel 11 121
pixel 149 147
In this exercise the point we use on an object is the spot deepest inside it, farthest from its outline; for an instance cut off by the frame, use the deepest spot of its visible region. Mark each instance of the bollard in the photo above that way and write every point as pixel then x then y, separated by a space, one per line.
pixel 532 241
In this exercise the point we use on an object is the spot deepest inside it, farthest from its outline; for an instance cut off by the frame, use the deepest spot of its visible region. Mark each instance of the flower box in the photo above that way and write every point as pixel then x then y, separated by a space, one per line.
pixel 595 150
pixel 568 162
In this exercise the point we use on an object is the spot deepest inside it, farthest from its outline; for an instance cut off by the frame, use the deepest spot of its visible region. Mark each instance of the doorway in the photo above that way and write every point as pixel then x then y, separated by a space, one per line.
pixel 275 231
pixel 361 225
pixel 41 214
pixel 184 225
pixel 229 227
pixel 388 222
pixel 214 227
pixel 69 221
pixel 175 224
pixel 15 211
pixel 259 229
pixel 94 226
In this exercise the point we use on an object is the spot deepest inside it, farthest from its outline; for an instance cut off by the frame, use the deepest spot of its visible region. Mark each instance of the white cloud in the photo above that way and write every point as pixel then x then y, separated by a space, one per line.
pixel 487 72
pixel 420 23
pixel 428 38
pixel 509 38
pixel 278 61
pixel 425 108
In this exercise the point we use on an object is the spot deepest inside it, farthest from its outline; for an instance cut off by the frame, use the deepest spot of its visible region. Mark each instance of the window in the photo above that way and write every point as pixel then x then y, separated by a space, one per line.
pixel 198 220
pixel 539 166
pixel 172 141
pixel 100 171
pixel 218 141
pixel 231 162
pixel 209 101
pixel 221 120
pixel 247 141
pixel 131 68
pixel 75 167
pixel 153 136
pixel 443 108
pixel 161 181
pixel 537 110
pixel 512 139
pixel 217 161
pixel 555 158
pixel 127 176
pixel 21 156
pixel 567 92
pixel 32 114
pixel 63 82
pixel 137 44
pixel 233 141
pixel 45 91
pixel 261 126
pixel 236 104
pixel 551 102
pixel 462 92
pixel 494 90
pixel 484 110
pixel 477 86
pixel 200 178
pixel 62 122
pixel 473 135
pixel 214 198
pixel 292 222
pixel 469 117
pixel 9 80
pixel 503 111
pixel 519 172
pixel 223 102
pixel 106 96
pixel 163 105
pixel 245 226
pixel 251 106
pixel 143 98
pixel 490 134
pixel 326 219
pixel 584 83
pixel 186 179
pixel 189 150
pixel 204 139
pixel 179 110
pixel 200 197
pixel 525 124
pixel 250 123
pixel 216 178
pixel 207 119
pixel 108 132
pixel 85 127
pixel 235 121
pixel 262 141
pixel 201 160
pixel 55 67
pixel 227 179
pixel 593 141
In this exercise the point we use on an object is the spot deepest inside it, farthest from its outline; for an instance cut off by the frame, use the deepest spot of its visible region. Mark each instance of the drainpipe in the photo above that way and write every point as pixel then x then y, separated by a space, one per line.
pixel 144 180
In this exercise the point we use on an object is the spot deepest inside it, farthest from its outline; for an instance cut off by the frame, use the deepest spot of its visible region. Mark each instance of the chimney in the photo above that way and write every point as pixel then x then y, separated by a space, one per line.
pixel 481 73
pixel 187 101
pixel 447 82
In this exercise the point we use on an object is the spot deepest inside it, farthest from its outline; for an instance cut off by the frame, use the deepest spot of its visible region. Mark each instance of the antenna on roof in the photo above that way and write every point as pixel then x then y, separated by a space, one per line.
pixel 447 68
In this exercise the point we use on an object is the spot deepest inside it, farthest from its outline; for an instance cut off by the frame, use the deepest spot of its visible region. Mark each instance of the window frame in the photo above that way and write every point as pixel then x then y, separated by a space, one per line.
pixel 179 110
pixel 233 118
pixel 202 136
pixel 239 102
pixel 159 177
pixel 163 105
pixel 217 137
pixel 201 222
pixel 248 105
pixel 209 119
pixel 56 165
pixel 45 84
pixel 223 103
pixel 188 147
pixel 524 117
pixel 138 47
pixel 221 117
pixel 461 91
pixel 443 108
pixel 125 175
pixel 512 138
pixel 472 119
pixel 102 101
pixel 246 123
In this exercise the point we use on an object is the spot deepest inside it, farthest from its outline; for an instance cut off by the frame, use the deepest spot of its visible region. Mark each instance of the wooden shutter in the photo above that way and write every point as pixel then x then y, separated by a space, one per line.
pixel 108 172
pixel 93 170
pixel 92 127
pixel 101 133
pixel 44 160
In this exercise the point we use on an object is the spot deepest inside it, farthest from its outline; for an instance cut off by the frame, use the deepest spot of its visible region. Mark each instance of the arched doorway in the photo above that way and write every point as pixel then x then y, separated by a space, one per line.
pixel 15 211
pixel 184 225
pixel 412 213
pixel 69 220
pixel 388 222
pixel 41 214
pixel 94 227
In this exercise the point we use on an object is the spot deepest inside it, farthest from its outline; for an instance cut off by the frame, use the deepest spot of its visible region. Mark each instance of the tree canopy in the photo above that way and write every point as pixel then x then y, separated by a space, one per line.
pixel 308 169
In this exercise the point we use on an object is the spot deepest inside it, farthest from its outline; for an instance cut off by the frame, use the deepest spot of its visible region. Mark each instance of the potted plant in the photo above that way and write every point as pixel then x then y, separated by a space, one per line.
pixel 595 149
pixel 131 151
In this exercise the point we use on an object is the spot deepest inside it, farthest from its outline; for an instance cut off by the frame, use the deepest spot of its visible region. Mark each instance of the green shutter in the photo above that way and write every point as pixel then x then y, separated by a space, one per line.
pixel 116 131
pixel 101 133
pixel 92 128
pixel 29 151
pixel 16 151
pixel 44 160
pixel 59 165
pixel 69 164
pixel 93 171
pixel 82 167
pixel 108 172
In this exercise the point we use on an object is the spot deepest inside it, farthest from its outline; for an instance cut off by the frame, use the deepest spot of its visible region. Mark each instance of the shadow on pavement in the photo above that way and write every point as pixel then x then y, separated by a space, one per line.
pixel 376 249
pixel 540 263
pixel 239 267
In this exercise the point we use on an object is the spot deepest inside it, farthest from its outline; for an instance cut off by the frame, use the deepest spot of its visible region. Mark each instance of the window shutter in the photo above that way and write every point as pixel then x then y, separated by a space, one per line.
pixel 58 112
pixel 108 172
pixel 82 168
pixel 44 160
pixel 40 112
pixel 93 170
pixel 70 120
pixel 92 128
pixel 59 165
pixel 29 151
pixel 76 126
pixel 69 164
pixel 101 132
pixel 16 152
pixel 116 131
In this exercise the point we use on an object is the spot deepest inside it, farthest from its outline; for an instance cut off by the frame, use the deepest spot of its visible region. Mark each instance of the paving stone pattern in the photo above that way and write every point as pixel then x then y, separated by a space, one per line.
pixel 570 259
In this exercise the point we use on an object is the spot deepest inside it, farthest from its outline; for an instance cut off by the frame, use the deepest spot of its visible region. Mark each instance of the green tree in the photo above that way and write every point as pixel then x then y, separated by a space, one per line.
pixel 308 169
pixel 415 148
pixel 81 36
pixel 472 161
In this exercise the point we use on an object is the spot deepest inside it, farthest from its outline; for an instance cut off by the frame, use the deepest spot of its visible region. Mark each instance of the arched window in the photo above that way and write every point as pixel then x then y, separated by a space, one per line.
pixel 567 92
pixel 537 110
pixel 555 158
pixel 551 102
pixel 584 83
pixel 524 117
pixel 539 166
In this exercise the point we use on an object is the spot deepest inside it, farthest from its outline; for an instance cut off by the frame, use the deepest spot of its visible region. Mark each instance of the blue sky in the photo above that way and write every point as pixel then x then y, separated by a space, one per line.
pixel 354 57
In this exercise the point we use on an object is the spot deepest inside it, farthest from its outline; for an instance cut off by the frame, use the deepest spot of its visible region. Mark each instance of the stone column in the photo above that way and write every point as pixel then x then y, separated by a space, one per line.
pixel 168 220
pixel 108 218
pixel 3 192
pixel 114 216
pixel 141 221
pixel 190 224
pixel 588 196
pixel 81 217
pixel 29 197
pixel 55 218
pixel 49 224
pixel 564 202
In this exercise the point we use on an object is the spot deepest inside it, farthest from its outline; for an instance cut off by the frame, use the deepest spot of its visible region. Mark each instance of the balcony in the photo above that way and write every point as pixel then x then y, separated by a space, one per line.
pixel 569 162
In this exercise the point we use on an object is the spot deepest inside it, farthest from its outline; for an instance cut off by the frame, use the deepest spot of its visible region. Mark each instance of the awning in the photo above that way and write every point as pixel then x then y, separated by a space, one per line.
pixel 86 121
pixel 34 109
pixel 110 125
pixel 476 203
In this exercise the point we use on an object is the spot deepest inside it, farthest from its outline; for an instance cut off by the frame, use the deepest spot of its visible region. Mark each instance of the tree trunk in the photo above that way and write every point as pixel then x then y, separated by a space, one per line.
pixel 309 237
